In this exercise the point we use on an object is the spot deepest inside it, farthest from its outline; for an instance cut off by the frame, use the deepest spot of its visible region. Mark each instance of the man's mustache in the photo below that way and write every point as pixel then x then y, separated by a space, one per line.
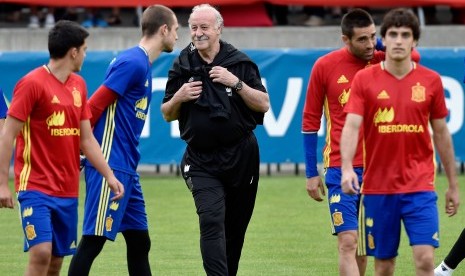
pixel 201 38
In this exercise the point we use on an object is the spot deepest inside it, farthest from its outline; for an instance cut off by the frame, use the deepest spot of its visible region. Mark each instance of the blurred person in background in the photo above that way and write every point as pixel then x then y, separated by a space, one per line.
pixel 36 17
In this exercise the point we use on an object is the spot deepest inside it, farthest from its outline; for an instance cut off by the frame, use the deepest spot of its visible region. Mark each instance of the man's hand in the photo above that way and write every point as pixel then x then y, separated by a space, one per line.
pixel 189 91
pixel 452 201
pixel 314 187
pixel 116 187
pixel 222 75
pixel 349 182
pixel 6 198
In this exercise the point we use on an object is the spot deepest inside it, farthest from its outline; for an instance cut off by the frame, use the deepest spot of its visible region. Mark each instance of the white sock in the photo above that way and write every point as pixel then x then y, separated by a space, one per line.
pixel 443 270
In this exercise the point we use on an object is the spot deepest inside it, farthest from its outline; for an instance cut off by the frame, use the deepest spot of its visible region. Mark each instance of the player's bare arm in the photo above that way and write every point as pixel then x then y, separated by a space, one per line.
pixel 443 143
pixel 92 151
pixel 7 137
pixel 349 138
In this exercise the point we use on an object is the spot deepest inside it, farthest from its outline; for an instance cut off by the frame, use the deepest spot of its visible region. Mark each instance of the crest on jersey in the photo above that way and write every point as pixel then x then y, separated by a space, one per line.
pixel 418 93
pixel 77 97
pixel 344 97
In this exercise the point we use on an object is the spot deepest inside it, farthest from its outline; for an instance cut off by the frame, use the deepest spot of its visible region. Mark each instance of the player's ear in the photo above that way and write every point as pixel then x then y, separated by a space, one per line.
pixel 345 39
pixel 73 52
pixel 164 29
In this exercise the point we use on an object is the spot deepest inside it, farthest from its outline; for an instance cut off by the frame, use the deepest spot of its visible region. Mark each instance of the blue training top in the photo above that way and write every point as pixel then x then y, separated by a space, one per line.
pixel 119 128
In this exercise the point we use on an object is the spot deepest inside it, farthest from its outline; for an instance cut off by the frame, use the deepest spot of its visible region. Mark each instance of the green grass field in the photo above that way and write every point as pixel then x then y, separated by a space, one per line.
pixel 289 234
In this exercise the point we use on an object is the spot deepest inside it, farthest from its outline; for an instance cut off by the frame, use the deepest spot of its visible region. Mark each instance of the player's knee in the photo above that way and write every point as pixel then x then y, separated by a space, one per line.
pixel 384 266
pixel 40 255
pixel 424 262
pixel 347 241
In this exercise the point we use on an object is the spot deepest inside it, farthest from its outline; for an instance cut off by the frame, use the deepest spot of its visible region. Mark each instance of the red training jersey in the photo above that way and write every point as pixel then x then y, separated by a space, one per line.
pixel 396 115
pixel 328 90
pixel 47 148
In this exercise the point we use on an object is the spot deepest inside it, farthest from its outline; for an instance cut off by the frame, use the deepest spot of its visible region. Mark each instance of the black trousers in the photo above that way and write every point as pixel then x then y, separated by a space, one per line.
pixel 224 199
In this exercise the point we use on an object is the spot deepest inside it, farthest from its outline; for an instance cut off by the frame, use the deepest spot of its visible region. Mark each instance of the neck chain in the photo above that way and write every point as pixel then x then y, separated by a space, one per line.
pixel 60 79
pixel 51 72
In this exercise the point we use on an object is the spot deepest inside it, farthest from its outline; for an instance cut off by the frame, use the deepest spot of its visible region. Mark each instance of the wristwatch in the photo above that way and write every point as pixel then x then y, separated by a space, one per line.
pixel 238 86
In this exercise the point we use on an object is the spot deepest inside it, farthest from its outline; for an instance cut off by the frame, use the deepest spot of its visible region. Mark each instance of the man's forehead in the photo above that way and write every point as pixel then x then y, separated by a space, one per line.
pixel 202 16
pixel 401 29
pixel 364 32
pixel 204 23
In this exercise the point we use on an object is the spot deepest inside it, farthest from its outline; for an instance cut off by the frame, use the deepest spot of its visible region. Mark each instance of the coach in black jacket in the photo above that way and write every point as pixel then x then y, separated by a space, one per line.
pixel 216 93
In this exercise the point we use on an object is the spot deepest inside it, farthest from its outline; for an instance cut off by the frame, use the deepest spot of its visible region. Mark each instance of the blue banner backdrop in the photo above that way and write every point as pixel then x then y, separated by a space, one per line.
pixel 284 72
